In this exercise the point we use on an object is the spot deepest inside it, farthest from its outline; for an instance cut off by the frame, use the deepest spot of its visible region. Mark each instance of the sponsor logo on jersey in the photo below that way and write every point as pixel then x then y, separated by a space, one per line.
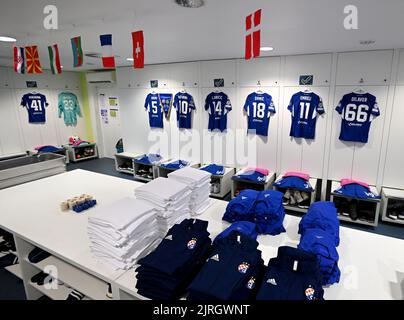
pixel 261 178
pixel 243 267
pixel 191 244
pixel 352 124
pixel 169 237
pixel 266 195
pixel 309 293
pixel 272 281
pixel 251 283
pixel 302 122
pixel 215 258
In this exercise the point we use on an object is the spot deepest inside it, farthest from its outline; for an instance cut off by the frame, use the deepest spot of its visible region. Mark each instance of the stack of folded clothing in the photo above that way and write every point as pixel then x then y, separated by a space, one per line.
pixel 175 165
pixel 149 159
pixel 256 175
pixel 171 200
pixel 167 271
pixel 199 183
pixel 232 272
pixel 263 208
pixel 123 232
pixel 245 227
pixel 319 229
pixel 214 169
pixel 293 275
pixel 296 187
pixel 356 189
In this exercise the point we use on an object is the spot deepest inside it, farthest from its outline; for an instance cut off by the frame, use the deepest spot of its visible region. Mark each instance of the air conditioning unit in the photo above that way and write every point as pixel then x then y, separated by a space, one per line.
pixel 101 77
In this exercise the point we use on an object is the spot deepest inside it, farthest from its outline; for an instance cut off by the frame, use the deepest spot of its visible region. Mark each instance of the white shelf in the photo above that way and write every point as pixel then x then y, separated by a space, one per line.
pixel 393 194
pixel 127 283
pixel 128 155
pixel 294 208
pixel 15 270
pixel 86 158
pixel 92 287
pixel 142 179
pixel 348 219
pixel 61 293
pixel 125 171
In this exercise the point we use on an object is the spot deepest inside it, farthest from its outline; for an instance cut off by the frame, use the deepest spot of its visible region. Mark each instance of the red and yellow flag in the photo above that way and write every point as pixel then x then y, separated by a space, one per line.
pixel 32 57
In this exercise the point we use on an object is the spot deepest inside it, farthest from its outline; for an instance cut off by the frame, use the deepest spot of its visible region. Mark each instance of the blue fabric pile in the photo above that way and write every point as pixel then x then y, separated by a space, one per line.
pixel 356 191
pixel 177 164
pixel 149 159
pixel 294 183
pixel 244 227
pixel 319 230
pixel 214 169
pixel 263 208
pixel 251 175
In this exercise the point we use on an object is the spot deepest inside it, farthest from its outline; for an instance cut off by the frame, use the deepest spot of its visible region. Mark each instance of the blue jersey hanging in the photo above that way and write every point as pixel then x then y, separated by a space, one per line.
pixel 304 106
pixel 218 106
pixel 357 111
pixel 184 104
pixel 166 101
pixel 259 107
pixel 153 106
pixel 35 104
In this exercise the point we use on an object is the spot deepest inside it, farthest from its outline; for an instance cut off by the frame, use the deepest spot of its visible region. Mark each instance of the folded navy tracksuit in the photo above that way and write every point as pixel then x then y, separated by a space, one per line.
pixel 293 275
pixel 232 271
pixel 248 228
pixel 167 271
pixel 321 215
pixel 294 183
pixel 264 208
pixel 321 244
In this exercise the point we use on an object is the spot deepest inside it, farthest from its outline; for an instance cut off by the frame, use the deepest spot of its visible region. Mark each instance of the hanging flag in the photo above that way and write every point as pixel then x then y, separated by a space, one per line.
pixel 33 63
pixel 19 59
pixel 108 59
pixel 253 36
pixel 54 59
pixel 77 52
pixel 138 49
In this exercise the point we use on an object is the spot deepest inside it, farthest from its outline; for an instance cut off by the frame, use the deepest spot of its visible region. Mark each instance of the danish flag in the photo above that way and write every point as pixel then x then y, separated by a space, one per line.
pixel 253 36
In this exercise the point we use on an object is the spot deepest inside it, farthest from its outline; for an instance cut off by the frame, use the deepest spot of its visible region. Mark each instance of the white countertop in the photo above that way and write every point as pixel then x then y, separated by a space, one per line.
pixel 372 266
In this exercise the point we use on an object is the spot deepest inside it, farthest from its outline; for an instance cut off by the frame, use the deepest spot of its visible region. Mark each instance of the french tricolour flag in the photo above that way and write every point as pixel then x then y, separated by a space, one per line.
pixel 108 59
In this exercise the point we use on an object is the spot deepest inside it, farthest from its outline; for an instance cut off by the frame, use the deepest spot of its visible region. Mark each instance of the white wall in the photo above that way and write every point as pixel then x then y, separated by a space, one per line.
pixel 326 157
pixel 16 134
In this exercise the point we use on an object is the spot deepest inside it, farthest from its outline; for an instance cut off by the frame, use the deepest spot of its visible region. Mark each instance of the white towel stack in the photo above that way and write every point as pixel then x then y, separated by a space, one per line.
pixel 123 232
pixel 199 183
pixel 171 200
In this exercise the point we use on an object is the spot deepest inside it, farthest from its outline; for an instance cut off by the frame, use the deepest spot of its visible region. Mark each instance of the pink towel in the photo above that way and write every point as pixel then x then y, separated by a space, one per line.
pixel 344 182
pixel 260 170
pixel 302 175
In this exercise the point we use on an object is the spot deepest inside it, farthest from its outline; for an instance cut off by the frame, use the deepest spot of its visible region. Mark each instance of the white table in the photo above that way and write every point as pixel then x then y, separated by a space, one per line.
pixel 372 266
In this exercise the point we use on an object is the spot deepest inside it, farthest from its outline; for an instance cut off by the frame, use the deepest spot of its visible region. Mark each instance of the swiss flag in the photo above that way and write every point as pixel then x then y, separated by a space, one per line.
pixel 253 35
pixel 138 49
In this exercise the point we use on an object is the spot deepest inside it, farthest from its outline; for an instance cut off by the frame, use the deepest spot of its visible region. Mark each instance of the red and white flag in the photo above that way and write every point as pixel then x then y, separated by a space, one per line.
pixel 138 49
pixel 253 35
pixel 108 59
pixel 19 59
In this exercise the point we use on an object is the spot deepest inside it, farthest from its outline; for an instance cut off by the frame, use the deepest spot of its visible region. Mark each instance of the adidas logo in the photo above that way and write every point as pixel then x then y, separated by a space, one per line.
pixel 266 195
pixel 272 281
pixel 170 237
pixel 215 257
pixel 243 198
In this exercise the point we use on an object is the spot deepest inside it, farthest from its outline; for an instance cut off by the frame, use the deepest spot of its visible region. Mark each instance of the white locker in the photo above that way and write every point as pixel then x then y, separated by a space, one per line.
pixel 256 72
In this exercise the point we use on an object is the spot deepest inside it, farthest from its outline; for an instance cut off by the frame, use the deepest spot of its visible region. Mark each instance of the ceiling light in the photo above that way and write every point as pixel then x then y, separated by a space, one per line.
pixel 266 48
pixel 7 39
pixel 366 42
pixel 190 3
pixel 130 59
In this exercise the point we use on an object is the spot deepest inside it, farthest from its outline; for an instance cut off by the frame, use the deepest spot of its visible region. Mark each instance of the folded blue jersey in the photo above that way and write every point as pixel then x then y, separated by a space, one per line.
pixel 231 265
pixel 178 164
pixel 149 159
pixel 293 275
pixel 294 183
pixel 269 212
pixel 320 243
pixel 214 169
pixel 357 191
pixel 45 149
pixel 253 176
pixel 241 207
pixel 245 227
pixel 321 215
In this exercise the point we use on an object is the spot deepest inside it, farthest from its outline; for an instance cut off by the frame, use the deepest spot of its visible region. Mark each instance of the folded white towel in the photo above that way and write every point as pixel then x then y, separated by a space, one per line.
pixel 163 189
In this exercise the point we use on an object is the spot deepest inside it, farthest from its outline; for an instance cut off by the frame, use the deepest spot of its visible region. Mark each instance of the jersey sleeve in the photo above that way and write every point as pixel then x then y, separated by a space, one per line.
pixel 175 102
pixel 207 104
pixel 375 109
pixel 77 104
pixel 341 106
pixel 45 102
pixel 60 106
pixel 191 103
pixel 228 106
pixel 147 103
pixel 23 101
pixel 246 104
pixel 320 106
pixel 271 106
pixel 290 106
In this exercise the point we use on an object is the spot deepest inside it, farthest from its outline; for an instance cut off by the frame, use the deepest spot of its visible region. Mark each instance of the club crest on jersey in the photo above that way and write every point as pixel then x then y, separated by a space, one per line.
pixel 243 267
pixel 251 283
pixel 191 244
pixel 309 293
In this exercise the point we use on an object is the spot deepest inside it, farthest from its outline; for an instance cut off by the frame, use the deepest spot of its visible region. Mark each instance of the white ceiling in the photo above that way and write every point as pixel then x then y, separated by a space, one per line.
pixel 214 31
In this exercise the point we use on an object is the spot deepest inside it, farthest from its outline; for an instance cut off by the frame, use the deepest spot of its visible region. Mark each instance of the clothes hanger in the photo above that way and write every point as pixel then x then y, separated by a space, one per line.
pixel 183 88
pixel 359 90
pixel 259 91
pixel 307 90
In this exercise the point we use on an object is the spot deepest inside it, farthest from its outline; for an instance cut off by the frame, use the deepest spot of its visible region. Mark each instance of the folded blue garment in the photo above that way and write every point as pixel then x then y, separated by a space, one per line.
pixel 178 164
pixel 45 149
pixel 241 207
pixel 214 169
pixel 321 215
pixel 357 191
pixel 294 183
pixel 245 227
pixel 149 159
pixel 253 176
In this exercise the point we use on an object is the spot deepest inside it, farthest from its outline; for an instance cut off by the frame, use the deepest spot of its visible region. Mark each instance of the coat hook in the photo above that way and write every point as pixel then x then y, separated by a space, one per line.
pixel 258 83
pixel 361 80
pixel 183 84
